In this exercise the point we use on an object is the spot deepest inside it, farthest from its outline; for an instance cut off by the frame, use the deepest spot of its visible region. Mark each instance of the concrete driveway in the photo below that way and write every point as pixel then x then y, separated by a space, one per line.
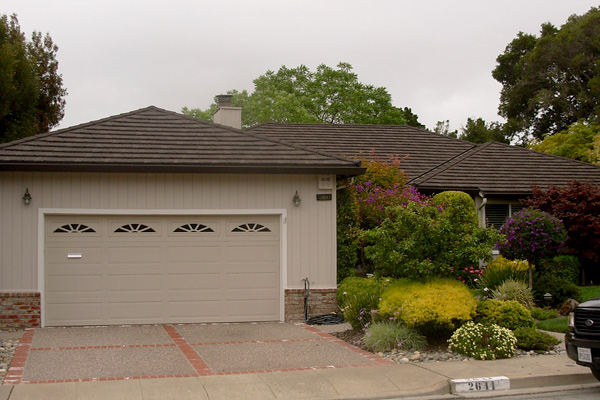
pixel 79 354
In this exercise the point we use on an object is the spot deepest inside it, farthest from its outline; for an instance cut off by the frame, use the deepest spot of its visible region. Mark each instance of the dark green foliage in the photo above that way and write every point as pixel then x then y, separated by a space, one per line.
pixel 551 81
pixel 560 289
pixel 31 92
pixel 358 297
pixel 563 266
pixel 529 338
pixel 347 234
pixel 478 131
pixel 508 314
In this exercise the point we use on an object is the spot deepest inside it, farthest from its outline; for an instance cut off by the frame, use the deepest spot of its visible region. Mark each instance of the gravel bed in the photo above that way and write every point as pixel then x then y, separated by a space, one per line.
pixel 8 346
pixel 436 353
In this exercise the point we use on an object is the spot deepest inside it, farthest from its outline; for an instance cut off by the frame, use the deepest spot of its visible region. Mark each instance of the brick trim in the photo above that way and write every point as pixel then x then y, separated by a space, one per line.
pixel 19 310
pixel 320 301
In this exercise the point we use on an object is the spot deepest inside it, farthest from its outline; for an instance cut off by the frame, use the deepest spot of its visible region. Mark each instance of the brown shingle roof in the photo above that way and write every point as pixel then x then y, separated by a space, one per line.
pixel 423 150
pixel 153 139
pixel 500 169
pixel 436 162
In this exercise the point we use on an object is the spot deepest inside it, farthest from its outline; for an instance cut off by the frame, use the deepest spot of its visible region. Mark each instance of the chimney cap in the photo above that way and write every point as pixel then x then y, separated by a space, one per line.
pixel 224 100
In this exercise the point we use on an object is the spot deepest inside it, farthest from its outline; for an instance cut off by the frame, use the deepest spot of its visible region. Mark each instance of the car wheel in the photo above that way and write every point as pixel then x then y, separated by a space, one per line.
pixel 596 372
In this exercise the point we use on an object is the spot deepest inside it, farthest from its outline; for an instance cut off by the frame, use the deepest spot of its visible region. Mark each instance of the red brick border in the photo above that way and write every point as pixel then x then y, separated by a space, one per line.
pixel 19 310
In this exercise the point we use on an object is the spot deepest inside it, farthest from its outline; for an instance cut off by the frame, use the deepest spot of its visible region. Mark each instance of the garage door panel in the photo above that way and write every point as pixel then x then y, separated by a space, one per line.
pixel 137 282
pixel 265 280
pixel 134 254
pixel 76 283
pixel 163 270
pixel 178 282
pixel 194 254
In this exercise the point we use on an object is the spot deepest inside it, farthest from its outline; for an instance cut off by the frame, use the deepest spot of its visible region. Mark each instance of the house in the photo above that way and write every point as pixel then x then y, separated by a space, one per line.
pixel 155 217
pixel 496 175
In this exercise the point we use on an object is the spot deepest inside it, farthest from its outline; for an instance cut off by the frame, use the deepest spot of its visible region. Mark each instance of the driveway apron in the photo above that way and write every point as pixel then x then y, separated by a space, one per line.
pixel 76 354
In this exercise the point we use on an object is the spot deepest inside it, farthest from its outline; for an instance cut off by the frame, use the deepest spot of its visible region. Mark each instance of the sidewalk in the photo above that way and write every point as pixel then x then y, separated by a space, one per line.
pixel 373 382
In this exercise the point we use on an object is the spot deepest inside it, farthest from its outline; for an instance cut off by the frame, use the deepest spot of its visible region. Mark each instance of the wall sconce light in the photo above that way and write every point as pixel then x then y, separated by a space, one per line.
pixel 27 197
pixel 296 199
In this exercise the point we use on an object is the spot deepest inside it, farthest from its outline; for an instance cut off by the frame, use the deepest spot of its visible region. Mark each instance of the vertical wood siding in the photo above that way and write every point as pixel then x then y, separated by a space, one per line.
pixel 311 226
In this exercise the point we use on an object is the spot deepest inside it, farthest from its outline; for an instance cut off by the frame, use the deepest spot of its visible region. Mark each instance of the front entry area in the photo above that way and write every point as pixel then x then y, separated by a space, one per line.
pixel 134 269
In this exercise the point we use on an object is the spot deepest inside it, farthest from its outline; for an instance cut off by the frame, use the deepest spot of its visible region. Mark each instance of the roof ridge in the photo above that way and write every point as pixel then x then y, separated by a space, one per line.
pixel 447 164
pixel 547 154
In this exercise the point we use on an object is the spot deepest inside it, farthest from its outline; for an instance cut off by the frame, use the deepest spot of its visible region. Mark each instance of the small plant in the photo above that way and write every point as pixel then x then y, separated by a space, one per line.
pixel 388 335
pixel 560 289
pixel 507 314
pixel 541 314
pixel 483 342
pixel 514 290
pixel 533 339
pixel 360 309
pixel 356 286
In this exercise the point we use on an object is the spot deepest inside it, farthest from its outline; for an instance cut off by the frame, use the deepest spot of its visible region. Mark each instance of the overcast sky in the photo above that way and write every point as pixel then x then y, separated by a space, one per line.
pixel 434 56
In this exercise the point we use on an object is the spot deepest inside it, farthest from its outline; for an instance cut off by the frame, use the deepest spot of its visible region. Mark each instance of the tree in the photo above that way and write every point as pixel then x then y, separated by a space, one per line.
pixel 532 235
pixel 551 81
pixel 579 142
pixel 577 204
pixel 31 92
pixel 327 95
pixel 478 131
pixel 443 128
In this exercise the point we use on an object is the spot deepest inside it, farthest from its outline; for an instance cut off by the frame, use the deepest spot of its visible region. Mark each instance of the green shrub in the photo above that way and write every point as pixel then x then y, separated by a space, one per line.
pixel 423 240
pixel 483 342
pixel 563 266
pixel 507 314
pixel 360 309
pixel 560 289
pixel 388 335
pixel 515 290
pixel 347 234
pixel 499 271
pixel 533 339
pixel 504 263
pixel 435 306
pixel 542 314
pixel 459 205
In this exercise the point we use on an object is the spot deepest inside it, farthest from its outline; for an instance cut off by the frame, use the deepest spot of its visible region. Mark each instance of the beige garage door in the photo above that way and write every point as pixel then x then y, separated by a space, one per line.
pixel 104 270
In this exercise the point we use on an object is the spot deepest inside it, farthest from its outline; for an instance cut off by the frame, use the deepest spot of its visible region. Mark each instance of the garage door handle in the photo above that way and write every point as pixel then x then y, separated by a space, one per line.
pixel 74 255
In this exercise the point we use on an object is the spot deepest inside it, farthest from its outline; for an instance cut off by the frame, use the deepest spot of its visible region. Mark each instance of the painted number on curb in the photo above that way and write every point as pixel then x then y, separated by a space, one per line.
pixel 480 384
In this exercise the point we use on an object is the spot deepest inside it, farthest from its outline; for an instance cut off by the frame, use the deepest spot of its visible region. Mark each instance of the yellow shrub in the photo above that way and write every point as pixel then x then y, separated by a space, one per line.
pixel 439 304
pixel 504 263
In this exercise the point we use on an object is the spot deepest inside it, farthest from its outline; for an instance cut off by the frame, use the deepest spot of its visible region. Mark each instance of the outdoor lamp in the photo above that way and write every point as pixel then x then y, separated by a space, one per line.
pixel 27 197
pixel 296 199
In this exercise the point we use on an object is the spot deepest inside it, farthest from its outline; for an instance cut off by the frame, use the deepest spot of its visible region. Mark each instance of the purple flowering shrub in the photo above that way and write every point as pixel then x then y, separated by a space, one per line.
pixel 532 235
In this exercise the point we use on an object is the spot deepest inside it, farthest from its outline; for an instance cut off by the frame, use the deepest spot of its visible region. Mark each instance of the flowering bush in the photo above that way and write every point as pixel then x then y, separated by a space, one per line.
pixel 483 342
pixel 470 276
pixel 532 235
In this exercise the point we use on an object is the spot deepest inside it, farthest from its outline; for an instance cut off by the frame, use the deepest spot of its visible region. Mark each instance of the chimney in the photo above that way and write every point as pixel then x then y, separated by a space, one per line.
pixel 227 115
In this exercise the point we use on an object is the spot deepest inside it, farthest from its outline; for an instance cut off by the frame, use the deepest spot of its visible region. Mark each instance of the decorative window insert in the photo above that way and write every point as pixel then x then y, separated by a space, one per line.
pixel 250 228
pixel 134 228
pixel 193 228
pixel 496 214
pixel 74 228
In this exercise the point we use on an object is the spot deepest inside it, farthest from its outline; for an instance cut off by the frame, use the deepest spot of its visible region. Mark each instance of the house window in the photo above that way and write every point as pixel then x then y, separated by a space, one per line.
pixel 251 227
pixel 74 228
pixel 496 214
pixel 134 228
pixel 193 228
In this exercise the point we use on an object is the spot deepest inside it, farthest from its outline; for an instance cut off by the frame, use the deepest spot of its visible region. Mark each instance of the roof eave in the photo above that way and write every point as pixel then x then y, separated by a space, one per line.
pixel 347 171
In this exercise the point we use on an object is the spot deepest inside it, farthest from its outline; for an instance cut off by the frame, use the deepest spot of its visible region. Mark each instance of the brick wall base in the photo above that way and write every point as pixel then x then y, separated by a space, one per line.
pixel 320 301
pixel 19 310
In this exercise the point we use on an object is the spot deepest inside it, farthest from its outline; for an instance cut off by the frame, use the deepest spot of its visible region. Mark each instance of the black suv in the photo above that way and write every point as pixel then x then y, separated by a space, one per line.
pixel 583 338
